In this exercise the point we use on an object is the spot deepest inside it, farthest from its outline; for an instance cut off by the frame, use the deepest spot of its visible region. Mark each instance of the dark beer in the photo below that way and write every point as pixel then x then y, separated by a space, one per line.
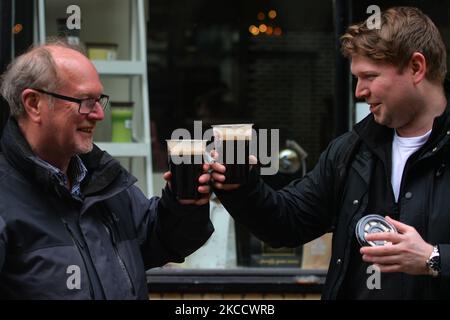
pixel 235 156
pixel 185 179
pixel 186 166
pixel 232 144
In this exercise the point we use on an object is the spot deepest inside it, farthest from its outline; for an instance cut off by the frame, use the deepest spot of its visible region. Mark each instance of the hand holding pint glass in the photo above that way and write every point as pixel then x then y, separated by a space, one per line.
pixel 188 177
pixel 232 151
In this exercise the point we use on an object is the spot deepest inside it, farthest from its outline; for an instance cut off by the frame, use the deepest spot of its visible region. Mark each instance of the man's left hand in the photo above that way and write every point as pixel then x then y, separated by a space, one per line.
pixel 404 251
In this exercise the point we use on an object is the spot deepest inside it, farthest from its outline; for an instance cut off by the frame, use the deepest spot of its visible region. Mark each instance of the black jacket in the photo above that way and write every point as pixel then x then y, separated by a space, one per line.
pixel 48 238
pixel 320 203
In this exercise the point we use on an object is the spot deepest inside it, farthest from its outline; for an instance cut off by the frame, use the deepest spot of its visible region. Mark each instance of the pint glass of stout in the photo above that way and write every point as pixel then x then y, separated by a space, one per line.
pixel 232 143
pixel 186 165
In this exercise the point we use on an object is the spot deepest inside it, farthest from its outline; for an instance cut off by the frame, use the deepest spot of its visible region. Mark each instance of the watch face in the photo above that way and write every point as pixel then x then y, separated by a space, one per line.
pixel 372 223
pixel 434 263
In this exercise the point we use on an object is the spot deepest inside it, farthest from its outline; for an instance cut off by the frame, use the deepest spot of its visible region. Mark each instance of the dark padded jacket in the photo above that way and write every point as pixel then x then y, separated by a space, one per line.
pixel 320 203
pixel 44 254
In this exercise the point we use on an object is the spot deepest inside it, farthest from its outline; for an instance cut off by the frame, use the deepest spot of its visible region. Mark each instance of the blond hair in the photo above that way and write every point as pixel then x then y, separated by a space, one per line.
pixel 403 31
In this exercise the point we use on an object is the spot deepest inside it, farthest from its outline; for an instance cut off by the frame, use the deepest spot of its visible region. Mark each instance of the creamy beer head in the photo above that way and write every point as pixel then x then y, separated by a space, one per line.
pixel 233 131
pixel 186 147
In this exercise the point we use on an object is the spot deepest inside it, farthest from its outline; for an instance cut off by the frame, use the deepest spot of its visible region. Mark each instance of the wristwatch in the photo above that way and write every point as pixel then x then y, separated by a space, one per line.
pixel 434 262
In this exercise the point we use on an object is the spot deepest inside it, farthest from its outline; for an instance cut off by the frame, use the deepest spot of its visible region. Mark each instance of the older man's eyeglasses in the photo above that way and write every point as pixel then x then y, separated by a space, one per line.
pixel 86 106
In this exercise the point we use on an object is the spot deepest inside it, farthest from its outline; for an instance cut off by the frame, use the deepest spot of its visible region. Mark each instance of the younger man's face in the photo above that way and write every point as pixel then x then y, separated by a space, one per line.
pixel 391 94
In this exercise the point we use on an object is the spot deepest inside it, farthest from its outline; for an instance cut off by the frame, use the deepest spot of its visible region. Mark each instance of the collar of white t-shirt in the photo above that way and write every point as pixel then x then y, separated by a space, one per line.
pixel 402 149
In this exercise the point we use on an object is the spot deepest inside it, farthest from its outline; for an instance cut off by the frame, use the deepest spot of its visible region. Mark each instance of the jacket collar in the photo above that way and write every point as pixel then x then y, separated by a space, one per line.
pixel 104 172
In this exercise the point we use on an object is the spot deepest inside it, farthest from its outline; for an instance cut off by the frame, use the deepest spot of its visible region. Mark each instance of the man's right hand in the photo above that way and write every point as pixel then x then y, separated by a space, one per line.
pixel 218 176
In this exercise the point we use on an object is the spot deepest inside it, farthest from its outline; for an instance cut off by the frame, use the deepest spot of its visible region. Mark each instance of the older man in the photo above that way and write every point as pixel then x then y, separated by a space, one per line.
pixel 72 223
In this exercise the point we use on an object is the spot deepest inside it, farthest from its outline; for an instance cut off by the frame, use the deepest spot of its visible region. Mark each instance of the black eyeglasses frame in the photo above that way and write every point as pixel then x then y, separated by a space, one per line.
pixel 76 100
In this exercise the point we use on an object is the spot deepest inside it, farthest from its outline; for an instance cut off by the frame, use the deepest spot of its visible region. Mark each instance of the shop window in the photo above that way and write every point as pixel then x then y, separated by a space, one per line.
pixel 270 63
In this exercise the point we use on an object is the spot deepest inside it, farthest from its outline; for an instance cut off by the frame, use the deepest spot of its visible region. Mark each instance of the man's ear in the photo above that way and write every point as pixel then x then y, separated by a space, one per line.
pixel 32 102
pixel 418 67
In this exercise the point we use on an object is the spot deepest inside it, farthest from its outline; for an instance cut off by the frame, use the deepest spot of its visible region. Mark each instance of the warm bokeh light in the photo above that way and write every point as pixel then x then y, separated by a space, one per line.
pixel 272 14
pixel 277 31
pixel 269 31
pixel 254 30
pixel 262 28
pixel 260 16
pixel 17 28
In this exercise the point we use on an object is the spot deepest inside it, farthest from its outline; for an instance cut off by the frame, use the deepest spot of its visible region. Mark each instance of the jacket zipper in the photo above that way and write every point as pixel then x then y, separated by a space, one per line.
pixel 80 247
pixel 110 232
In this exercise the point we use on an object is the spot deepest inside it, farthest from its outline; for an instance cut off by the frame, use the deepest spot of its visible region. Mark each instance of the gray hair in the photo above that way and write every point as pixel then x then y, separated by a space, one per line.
pixel 34 69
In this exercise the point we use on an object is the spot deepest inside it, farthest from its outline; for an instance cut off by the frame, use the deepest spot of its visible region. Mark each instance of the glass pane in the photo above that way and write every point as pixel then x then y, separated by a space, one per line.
pixel 270 63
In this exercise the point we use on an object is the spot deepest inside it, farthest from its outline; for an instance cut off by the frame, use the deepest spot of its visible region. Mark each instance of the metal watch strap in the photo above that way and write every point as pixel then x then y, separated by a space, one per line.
pixel 433 263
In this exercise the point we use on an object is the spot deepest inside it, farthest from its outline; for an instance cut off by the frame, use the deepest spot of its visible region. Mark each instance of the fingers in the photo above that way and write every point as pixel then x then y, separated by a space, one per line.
pixel 386 258
pixel 204 178
pixel 167 176
pixel 217 167
pixel 384 236
pixel 219 184
pixel 218 176
pixel 386 250
pixel 206 189
pixel 401 227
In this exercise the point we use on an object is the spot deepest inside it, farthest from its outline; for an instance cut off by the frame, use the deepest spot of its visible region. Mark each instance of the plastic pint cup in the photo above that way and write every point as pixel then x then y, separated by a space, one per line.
pixel 232 143
pixel 186 165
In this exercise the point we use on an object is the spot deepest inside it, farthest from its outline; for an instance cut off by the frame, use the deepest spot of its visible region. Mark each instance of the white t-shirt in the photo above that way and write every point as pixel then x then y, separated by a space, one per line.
pixel 402 148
